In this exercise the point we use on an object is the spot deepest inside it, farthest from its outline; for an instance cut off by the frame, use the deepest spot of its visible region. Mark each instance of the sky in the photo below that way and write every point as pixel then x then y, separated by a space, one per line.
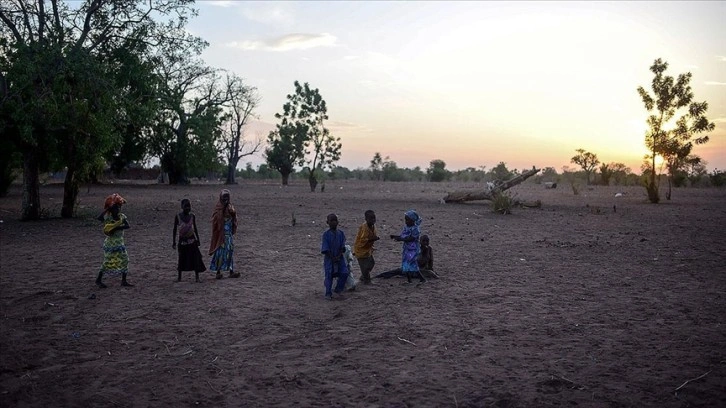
pixel 473 83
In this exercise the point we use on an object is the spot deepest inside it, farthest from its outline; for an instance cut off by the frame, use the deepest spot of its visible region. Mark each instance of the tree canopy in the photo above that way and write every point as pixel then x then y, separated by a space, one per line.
pixel 301 137
pixel 674 123
pixel 68 81
pixel 587 161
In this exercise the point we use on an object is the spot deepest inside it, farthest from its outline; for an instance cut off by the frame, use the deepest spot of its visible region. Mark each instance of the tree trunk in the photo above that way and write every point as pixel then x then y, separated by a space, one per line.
pixel 231 168
pixel 31 187
pixel 668 193
pixel 652 187
pixel 6 174
pixel 177 177
pixel 70 193
pixel 313 182
pixel 285 177
pixel 491 192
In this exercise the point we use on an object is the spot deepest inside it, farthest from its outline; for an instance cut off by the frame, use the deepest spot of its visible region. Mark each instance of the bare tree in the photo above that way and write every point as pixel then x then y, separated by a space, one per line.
pixel 237 114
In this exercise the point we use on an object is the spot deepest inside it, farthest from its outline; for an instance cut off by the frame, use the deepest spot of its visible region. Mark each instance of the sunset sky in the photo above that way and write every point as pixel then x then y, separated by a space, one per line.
pixel 474 83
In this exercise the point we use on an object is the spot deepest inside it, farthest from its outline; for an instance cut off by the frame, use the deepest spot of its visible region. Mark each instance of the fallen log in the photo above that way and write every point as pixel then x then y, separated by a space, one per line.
pixel 492 189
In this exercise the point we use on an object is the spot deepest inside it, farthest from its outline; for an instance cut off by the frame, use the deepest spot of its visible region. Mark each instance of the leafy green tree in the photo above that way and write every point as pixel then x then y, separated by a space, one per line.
pixel 306 110
pixel 670 98
pixel 285 148
pixel 620 172
pixel 606 173
pixel 59 68
pixel 376 166
pixel 340 173
pixel 470 174
pixel 437 171
pixel 193 97
pixel 500 172
pixel 696 170
pixel 140 83
pixel 587 162
pixel 717 178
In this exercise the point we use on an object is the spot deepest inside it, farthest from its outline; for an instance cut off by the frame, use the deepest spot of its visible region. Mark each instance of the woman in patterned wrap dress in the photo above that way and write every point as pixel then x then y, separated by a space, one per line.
pixel 115 257
pixel 224 226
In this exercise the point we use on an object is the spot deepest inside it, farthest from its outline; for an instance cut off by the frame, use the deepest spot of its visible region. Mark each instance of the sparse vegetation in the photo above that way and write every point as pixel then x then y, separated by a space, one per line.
pixel 502 203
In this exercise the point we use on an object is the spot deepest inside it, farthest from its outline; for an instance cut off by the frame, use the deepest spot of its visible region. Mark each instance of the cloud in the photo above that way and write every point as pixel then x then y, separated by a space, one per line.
pixel 289 42
pixel 269 13
pixel 715 83
pixel 222 3
pixel 346 127
pixel 721 58
pixel 720 120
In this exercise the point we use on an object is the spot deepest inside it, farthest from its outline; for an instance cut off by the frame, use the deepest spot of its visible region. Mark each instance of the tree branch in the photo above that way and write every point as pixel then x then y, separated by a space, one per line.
pixel 12 27
pixel 95 6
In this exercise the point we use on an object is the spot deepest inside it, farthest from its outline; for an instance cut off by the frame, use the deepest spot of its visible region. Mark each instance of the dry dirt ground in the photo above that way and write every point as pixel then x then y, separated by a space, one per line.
pixel 590 301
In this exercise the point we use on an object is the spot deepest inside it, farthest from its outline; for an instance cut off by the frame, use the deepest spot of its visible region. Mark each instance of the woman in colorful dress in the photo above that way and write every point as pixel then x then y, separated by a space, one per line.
pixel 115 257
pixel 411 249
pixel 224 226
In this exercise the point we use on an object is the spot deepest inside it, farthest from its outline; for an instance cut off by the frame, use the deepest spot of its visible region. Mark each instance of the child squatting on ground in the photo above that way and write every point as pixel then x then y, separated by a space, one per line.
pixel 411 249
pixel 334 262
pixel 224 226
pixel 115 257
pixel 190 258
pixel 425 262
pixel 363 246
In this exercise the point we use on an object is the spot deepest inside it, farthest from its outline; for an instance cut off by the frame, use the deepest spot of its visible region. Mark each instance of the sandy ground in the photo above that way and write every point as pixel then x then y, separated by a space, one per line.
pixel 591 301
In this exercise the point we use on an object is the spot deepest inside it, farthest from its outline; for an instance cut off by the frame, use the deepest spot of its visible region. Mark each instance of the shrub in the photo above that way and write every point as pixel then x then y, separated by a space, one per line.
pixel 502 203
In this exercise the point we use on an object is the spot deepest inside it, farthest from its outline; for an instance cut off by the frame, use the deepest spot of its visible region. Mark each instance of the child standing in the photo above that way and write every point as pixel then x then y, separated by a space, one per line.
pixel 364 240
pixel 411 249
pixel 115 257
pixel 334 263
pixel 224 226
pixel 190 259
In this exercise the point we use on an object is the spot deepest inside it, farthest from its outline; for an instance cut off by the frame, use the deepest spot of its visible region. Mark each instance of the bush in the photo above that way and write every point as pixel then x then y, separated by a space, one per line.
pixel 718 178
pixel 502 203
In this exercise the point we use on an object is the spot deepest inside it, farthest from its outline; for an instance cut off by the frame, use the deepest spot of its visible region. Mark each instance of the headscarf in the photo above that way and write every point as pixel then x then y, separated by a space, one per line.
pixel 218 217
pixel 412 214
pixel 113 199
pixel 220 206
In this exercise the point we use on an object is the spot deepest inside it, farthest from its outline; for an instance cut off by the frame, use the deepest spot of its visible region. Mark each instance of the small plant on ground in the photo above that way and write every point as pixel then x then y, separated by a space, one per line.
pixel 502 203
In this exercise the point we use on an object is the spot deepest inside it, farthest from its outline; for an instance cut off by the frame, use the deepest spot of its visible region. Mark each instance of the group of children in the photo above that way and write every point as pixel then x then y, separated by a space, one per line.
pixel 417 255
pixel 416 261
pixel 221 248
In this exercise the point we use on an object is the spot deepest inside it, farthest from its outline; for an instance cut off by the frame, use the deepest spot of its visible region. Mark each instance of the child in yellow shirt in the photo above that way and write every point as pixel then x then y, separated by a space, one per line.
pixel 363 247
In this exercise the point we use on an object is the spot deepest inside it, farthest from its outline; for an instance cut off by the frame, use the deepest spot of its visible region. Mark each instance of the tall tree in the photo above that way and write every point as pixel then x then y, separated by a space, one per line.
pixel 306 111
pixel 58 66
pixel 285 148
pixel 136 76
pixel 193 96
pixel 587 162
pixel 671 97
pixel 237 114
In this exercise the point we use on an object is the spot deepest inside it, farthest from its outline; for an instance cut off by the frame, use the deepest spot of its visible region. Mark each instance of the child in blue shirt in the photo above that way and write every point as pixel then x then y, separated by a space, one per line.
pixel 334 263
